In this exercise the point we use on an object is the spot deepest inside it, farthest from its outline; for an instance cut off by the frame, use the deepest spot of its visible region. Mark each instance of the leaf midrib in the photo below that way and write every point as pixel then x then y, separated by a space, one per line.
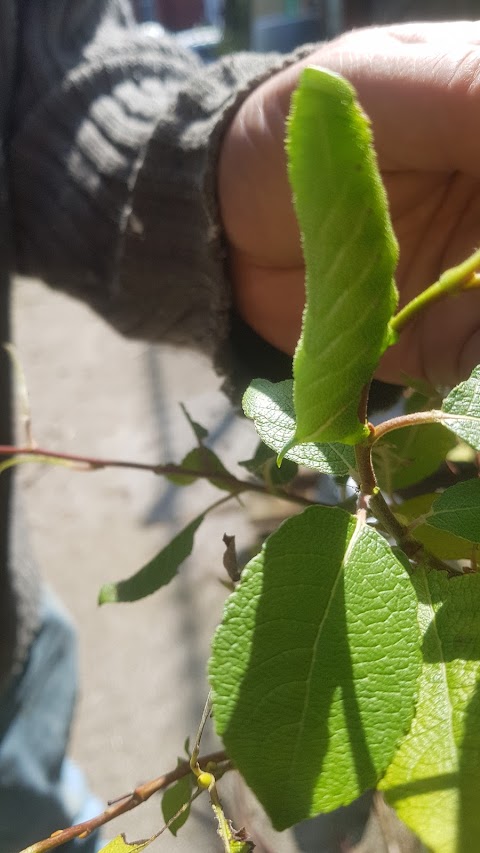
pixel 301 727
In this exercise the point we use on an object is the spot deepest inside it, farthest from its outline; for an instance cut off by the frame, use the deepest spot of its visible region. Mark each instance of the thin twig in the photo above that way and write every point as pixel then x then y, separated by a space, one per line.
pixel 140 795
pixel 434 416
pixel 91 463
pixel 194 765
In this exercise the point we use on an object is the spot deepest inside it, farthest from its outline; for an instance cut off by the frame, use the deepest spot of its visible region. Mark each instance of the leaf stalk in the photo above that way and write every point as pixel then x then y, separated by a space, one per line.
pixel 462 277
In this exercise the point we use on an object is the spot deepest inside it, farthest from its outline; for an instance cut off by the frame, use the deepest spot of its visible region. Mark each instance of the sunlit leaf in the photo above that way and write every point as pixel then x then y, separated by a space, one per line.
pixel 461 410
pixel 457 510
pixel 270 406
pixel 434 779
pixel 121 845
pixel 440 543
pixel 315 664
pixel 350 256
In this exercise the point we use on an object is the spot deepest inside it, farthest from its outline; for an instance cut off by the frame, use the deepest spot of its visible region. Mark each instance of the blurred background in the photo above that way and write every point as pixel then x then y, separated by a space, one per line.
pixel 221 25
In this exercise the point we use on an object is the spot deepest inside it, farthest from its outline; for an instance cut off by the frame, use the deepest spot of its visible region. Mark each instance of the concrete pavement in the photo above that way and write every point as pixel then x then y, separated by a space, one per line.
pixel 142 680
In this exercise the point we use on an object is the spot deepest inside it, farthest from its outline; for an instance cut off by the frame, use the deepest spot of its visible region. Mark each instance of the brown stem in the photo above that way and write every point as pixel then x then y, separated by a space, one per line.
pixel 381 510
pixel 90 463
pixel 413 419
pixel 366 475
pixel 140 795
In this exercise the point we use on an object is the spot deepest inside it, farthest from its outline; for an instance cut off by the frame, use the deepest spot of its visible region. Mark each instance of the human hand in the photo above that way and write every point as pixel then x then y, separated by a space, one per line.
pixel 420 86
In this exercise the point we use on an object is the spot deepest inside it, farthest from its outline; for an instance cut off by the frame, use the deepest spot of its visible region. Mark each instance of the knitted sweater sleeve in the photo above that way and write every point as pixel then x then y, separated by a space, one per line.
pixel 113 154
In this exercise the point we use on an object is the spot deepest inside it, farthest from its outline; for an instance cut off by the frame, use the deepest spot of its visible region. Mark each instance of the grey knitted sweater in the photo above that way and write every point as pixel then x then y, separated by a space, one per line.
pixel 109 140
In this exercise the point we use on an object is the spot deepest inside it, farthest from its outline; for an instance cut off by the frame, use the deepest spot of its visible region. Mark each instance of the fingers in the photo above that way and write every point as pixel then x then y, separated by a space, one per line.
pixel 464 31
pixel 420 85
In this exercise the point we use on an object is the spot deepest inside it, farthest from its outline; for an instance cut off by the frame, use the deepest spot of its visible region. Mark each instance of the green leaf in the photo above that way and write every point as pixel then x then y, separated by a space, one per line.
pixel 444 545
pixel 314 666
pixel 434 779
pixel 264 465
pixel 407 456
pixel 270 406
pixel 199 431
pixel 350 255
pixel 457 510
pixel 209 467
pixel 121 845
pixel 155 574
pixel 463 405
pixel 175 798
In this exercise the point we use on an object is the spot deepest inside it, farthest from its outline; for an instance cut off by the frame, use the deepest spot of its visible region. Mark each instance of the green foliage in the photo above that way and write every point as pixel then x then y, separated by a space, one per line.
pixel 156 573
pixel 341 662
pixel 463 408
pixel 264 465
pixel 270 406
pixel 338 660
pixel 314 667
pixel 434 779
pixel 200 432
pixel 457 510
pixel 208 466
pixel 350 254
pixel 446 546
pixel 407 456
pixel 121 845
pixel 175 800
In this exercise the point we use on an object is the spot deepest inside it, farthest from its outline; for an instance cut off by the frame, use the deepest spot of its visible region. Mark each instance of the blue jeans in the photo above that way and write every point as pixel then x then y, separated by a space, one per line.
pixel 40 789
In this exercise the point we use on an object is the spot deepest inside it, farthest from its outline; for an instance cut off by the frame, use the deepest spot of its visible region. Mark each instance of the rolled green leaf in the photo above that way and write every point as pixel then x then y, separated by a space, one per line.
pixel 350 256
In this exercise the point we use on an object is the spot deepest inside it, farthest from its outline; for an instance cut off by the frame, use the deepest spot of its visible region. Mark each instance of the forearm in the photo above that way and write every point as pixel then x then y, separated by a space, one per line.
pixel 114 170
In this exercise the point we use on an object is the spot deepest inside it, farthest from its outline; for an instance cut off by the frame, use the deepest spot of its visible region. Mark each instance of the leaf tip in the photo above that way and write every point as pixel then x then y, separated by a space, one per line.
pixel 107 594
pixel 288 446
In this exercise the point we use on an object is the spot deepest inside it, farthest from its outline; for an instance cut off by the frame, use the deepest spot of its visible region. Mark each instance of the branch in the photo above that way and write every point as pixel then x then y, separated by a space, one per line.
pixel 91 463
pixel 130 801
pixel 462 277
pixel 381 510
pixel 434 416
